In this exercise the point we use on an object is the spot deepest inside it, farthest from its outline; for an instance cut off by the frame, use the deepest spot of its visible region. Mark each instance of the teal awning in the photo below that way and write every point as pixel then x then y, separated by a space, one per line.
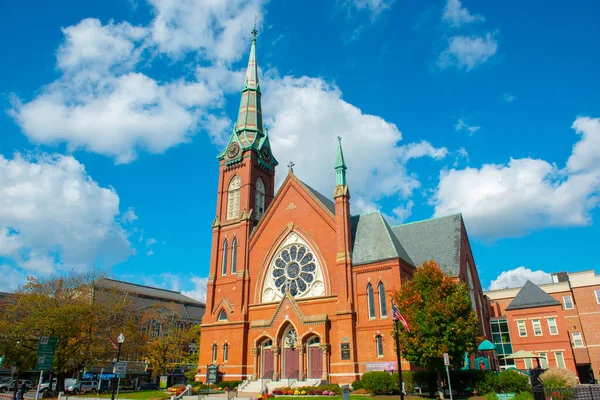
pixel 486 345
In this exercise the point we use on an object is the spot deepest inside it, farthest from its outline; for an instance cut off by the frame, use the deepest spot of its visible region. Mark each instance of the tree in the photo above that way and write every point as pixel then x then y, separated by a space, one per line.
pixel 438 310
pixel 70 309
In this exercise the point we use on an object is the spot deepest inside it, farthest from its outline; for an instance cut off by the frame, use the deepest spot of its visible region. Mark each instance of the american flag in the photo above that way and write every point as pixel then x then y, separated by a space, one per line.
pixel 399 317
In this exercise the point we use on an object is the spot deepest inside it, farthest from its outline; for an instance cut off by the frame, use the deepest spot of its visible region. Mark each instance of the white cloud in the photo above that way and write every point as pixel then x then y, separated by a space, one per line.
pixel 306 115
pixel 217 30
pixel 456 15
pixel 12 278
pixel 461 125
pixel 53 215
pixel 374 7
pixel 468 51
pixel 129 216
pixel 510 200
pixel 517 277
pixel 199 290
pixel 509 97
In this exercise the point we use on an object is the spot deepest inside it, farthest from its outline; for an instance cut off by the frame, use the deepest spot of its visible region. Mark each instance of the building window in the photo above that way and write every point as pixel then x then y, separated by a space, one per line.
pixel 568 302
pixel 560 360
pixel 225 352
pixel 522 328
pixel 552 326
pixel 259 198
pixel 379 343
pixel 382 303
pixel 528 363
pixel 537 327
pixel 371 301
pixel 502 340
pixel 233 255
pixel 577 339
pixel 222 315
pixel 543 360
pixel 214 354
pixel 224 263
pixel 233 198
pixel 597 293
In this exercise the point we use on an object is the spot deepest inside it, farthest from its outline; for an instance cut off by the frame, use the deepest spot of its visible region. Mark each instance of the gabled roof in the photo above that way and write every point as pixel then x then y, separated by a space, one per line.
pixel 373 240
pixel 531 296
pixel 326 202
pixel 435 239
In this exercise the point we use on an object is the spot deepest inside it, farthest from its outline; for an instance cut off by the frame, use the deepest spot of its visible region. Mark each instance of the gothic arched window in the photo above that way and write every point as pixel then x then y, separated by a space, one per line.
pixel 233 198
pixel 379 344
pixel 214 353
pixel 225 352
pixel 371 301
pixel 224 263
pixel 222 316
pixel 382 303
pixel 233 255
pixel 259 198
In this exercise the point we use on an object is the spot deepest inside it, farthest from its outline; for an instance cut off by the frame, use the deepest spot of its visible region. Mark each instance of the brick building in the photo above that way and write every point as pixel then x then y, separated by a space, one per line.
pixel 559 321
pixel 298 287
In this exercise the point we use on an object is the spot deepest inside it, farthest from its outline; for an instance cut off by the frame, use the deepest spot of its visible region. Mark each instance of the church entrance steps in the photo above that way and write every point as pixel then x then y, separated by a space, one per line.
pixel 249 386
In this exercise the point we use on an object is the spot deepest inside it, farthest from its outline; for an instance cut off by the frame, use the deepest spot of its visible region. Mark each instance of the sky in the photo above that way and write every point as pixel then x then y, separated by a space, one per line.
pixel 113 113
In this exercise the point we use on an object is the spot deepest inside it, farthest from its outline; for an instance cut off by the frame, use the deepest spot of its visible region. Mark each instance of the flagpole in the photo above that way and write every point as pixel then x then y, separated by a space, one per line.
pixel 399 359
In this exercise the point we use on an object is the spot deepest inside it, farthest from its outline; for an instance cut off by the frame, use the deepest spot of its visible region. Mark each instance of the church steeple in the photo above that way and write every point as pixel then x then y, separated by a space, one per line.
pixel 249 123
pixel 340 165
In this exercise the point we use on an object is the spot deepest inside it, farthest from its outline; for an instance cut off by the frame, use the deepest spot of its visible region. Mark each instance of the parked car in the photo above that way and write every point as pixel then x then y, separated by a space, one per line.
pixel 45 386
pixel 6 386
pixel 148 386
pixel 83 387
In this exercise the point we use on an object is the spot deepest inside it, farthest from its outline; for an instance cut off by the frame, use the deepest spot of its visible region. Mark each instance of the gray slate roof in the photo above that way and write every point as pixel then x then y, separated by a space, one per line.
pixel 530 296
pixel 147 291
pixel 373 240
pixel 328 203
pixel 435 239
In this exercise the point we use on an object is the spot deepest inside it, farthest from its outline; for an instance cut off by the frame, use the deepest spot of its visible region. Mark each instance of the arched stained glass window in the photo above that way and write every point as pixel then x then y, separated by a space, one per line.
pixel 382 303
pixel 224 263
pixel 233 198
pixel 222 315
pixel 371 301
pixel 379 344
pixel 259 199
pixel 234 256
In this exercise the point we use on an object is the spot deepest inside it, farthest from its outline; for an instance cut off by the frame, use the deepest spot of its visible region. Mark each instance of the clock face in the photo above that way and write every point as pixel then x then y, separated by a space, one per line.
pixel 233 150
pixel 266 154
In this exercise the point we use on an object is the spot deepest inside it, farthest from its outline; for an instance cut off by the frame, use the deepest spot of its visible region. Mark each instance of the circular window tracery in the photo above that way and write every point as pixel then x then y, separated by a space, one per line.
pixel 294 269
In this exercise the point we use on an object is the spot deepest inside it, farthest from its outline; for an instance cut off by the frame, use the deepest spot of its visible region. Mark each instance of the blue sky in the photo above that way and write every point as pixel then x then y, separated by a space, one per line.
pixel 113 113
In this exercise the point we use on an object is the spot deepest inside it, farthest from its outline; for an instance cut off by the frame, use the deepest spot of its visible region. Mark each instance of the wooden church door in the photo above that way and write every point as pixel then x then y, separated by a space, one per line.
pixel 291 362
pixel 316 362
pixel 267 364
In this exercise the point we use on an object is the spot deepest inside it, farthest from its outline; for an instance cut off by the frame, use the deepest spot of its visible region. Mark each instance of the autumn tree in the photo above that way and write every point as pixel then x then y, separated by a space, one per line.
pixel 71 309
pixel 169 338
pixel 438 310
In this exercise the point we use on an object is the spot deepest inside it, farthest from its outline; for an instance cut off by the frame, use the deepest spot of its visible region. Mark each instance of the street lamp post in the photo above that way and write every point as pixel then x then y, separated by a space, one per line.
pixel 120 340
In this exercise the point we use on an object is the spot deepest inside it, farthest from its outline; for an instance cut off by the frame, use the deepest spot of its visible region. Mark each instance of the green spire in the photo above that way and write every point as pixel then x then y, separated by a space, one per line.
pixel 249 123
pixel 340 165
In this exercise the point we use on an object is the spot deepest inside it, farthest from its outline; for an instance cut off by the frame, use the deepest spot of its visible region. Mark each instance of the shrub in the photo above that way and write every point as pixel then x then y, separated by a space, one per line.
pixel 379 382
pixel 357 384
pixel 523 396
pixel 489 384
pixel 230 384
pixel 511 381
pixel 361 391
pixel 491 396
pixel 558 378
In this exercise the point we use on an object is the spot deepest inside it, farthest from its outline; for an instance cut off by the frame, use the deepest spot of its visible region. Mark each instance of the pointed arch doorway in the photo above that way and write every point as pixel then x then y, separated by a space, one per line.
pixel 315 358
pixel 291 358
pixel 266 355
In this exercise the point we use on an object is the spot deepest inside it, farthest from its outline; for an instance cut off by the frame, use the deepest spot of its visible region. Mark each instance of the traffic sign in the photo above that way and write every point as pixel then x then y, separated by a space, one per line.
pixel 120 368
pixel 446 359
pixel 45 354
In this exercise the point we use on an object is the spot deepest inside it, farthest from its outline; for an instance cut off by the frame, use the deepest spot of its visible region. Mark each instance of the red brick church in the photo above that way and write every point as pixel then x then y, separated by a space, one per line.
pixel 299 288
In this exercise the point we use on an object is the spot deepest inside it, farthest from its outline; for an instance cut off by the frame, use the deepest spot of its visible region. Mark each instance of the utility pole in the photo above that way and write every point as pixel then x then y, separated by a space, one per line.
pixel 120 339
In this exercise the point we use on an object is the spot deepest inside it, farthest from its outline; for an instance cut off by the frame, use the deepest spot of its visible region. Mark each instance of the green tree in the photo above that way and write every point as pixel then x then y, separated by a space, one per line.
pixel 438 310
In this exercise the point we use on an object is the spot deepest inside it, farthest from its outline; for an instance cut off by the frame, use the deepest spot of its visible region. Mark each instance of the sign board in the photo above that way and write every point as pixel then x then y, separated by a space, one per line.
pixel 345 392
pixel 446 359
pixel 382 366
pixel 345 350
pixel 120 368
pixel 505 396
pixel 163 382
pixel 212 374
pixel 45 353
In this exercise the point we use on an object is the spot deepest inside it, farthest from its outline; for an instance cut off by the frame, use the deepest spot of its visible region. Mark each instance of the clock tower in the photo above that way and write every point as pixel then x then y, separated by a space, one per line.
pixel 246 188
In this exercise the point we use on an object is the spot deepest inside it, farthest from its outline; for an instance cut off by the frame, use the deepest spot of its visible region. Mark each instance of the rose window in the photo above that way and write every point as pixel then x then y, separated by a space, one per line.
pixel 294 269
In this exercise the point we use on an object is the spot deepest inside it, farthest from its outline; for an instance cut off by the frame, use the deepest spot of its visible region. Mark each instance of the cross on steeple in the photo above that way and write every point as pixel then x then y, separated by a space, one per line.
pixel 291 166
